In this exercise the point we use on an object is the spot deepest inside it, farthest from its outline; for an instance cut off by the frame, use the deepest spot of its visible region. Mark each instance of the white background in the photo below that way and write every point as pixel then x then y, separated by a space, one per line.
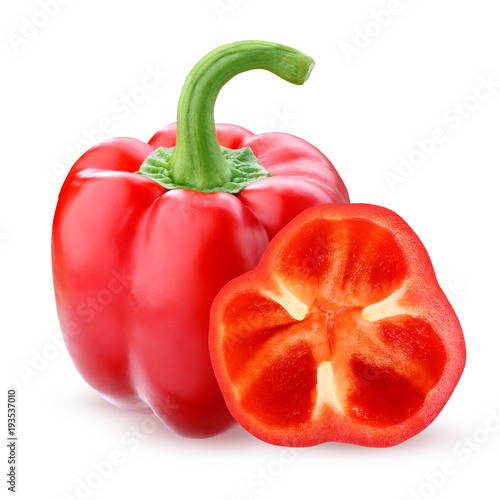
pixel 365 111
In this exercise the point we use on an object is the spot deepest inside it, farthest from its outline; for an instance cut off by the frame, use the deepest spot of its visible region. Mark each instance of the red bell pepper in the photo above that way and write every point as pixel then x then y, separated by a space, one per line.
pixel 145 235
pixel 341 333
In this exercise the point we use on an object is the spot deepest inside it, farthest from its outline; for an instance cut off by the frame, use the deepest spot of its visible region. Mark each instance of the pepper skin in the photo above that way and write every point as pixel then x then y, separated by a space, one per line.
pixel 137 265
pixel 341 333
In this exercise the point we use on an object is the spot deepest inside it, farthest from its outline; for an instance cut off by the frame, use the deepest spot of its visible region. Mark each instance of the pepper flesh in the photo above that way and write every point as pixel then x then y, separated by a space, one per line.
pixel 136 266
pixel 340 334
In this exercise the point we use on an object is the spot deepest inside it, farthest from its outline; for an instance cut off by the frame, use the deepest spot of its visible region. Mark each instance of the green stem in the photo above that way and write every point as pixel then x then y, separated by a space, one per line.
pixel 197 159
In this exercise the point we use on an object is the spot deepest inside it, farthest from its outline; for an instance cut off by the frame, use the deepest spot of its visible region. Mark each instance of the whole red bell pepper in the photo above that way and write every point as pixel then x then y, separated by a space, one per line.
pixel 341 333
pixel 145 235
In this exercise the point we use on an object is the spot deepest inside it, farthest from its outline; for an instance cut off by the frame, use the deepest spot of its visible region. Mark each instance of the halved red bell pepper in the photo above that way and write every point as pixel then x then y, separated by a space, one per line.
pixel 341 333
pixel 145 235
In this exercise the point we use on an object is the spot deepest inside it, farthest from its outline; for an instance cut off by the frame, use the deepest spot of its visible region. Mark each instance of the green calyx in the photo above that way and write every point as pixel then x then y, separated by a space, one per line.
pixel 197 161
pixel 244 166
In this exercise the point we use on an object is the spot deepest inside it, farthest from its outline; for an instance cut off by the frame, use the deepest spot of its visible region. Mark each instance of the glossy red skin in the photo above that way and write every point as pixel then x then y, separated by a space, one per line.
pixel 136 267
pixel 266 361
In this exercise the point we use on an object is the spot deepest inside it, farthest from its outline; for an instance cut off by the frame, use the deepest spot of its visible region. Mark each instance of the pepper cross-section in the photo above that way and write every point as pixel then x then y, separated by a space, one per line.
pixel 340 334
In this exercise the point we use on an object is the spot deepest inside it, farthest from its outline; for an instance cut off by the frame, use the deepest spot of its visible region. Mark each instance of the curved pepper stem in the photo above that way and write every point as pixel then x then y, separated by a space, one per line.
pixel 197 160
